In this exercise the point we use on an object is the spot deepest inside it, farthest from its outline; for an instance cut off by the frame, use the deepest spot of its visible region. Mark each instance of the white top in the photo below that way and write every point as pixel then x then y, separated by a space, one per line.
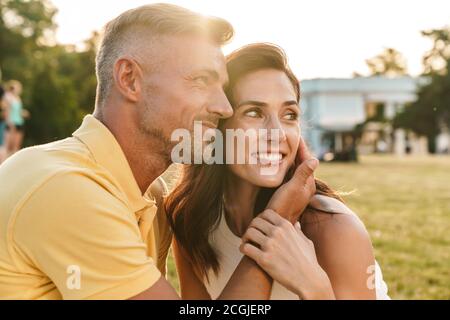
pixel 227 245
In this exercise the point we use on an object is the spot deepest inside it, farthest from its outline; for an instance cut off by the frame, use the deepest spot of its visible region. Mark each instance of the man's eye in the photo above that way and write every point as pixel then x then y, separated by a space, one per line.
pixel 201 80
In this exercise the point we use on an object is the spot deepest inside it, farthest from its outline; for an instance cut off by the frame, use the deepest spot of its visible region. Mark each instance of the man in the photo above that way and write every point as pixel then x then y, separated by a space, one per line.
pixel 79 217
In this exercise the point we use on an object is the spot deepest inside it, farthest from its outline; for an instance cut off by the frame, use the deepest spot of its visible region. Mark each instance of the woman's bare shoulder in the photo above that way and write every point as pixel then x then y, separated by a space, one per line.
pixel 329 219
pixel 343 249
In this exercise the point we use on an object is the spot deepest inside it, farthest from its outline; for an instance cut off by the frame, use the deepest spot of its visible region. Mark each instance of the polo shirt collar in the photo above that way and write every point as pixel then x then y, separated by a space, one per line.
pixel 107 152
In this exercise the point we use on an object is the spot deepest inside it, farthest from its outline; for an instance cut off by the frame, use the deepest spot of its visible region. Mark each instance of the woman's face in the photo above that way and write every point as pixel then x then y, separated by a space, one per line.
pixel 265 99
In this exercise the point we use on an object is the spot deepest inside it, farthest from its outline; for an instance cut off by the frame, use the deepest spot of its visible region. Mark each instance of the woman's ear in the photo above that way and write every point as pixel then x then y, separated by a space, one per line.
pixel 128 78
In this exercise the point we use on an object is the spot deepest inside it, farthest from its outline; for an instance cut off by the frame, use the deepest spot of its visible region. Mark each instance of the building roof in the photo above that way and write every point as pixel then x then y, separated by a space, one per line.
pixel 369 85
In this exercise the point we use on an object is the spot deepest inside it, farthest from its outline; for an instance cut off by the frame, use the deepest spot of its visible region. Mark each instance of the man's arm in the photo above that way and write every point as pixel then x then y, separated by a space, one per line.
pixel 161 290
pixel 86 229
pixel 257 281
pixel 248 282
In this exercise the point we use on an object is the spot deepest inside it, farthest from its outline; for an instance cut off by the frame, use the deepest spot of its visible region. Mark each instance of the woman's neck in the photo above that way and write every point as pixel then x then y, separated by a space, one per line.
pixel 240 197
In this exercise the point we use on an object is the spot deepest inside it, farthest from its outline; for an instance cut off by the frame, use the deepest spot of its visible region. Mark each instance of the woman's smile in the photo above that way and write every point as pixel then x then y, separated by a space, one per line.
pixel 268 158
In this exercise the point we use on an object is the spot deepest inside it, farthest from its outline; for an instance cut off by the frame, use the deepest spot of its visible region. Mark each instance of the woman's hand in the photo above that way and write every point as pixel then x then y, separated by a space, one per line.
pixel 291 199
pixel 287 255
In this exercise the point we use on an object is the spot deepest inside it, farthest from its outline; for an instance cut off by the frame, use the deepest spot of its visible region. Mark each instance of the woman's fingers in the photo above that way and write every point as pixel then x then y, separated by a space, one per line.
pixel 272 217
pixel 303 152
pixel 298 228
pixel 255 236
pixel 262 225
pixel 292 197
pixel 269 226
pixel 305 171
pixel 251 251
pixel 304 157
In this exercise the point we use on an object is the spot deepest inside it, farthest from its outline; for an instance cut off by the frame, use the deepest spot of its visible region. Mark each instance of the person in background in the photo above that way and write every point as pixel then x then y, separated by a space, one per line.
pixel 2 126
pixel 15 117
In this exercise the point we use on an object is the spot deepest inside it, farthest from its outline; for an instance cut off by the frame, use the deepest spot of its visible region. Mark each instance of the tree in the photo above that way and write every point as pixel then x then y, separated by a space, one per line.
pixel 389 63
pixel 436 60
pixel 24 26
pixel 431 111
pixel 59 81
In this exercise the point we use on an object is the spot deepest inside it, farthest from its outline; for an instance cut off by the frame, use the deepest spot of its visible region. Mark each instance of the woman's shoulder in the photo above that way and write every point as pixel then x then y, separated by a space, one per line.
pixel 330 220
pixel 329 204
pixel 343 247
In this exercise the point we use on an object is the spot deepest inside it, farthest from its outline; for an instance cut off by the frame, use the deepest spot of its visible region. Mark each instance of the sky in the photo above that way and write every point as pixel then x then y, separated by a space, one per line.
pixel 322 38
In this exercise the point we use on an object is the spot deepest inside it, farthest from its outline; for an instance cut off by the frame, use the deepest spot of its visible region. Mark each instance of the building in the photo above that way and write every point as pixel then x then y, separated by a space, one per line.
pixel 345 116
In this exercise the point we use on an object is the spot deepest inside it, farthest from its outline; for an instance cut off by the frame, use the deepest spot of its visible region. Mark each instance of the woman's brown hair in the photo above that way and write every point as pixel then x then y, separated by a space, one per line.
pixel 195 206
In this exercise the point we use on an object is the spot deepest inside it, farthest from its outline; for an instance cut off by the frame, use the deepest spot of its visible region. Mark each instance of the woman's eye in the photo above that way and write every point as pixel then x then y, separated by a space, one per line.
pixel 291 116
pixel 252 113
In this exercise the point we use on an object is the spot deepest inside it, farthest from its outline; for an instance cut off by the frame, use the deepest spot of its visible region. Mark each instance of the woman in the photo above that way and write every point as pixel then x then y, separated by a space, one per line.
pixel 213 206
pixel 15 117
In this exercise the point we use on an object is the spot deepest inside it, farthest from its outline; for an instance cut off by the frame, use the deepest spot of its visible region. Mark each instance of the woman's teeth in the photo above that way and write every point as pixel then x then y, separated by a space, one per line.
pixel 269 158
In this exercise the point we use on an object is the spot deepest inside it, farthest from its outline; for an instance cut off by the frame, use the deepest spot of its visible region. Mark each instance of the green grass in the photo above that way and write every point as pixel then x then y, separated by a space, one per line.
pixel 405 205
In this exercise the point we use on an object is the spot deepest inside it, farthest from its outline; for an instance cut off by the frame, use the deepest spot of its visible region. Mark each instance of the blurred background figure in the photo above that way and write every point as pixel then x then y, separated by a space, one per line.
pixel 15 116
pixel 2 125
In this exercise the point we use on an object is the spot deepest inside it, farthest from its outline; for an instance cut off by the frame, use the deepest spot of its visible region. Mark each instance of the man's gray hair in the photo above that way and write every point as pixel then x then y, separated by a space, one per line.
pixel 154 19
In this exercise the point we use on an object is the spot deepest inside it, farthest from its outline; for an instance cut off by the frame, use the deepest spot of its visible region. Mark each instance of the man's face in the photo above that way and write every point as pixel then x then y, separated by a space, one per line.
pixel 183 82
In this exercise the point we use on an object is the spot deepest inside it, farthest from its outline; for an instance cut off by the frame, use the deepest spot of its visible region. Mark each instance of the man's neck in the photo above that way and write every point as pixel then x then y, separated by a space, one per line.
pixel 147 164
pixel 145 155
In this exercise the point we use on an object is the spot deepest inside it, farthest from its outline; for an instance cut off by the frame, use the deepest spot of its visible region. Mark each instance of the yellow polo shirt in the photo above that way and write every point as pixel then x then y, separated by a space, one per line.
pixel 74 223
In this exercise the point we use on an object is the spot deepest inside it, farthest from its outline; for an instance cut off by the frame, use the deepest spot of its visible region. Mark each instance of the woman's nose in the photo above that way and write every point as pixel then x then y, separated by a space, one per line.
pixel 275 130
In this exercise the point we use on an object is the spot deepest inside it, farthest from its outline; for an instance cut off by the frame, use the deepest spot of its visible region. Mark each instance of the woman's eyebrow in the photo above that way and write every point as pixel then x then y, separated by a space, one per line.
pixel 264 104
pixel 252 103
pixel 290 103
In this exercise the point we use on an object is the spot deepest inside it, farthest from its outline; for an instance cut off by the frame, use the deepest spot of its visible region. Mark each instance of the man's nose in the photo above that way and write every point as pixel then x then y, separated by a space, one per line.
pixel 221 106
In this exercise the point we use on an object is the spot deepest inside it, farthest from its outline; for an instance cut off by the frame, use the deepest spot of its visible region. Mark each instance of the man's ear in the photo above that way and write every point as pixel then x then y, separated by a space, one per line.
pixel 127 78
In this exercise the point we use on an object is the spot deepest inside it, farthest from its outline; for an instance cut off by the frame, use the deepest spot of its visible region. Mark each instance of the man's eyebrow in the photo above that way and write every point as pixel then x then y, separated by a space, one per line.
pixel 211 72
pixel 214 74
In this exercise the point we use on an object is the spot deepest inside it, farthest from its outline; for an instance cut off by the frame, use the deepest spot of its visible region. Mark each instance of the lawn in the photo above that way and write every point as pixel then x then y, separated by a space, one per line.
pixel 405 205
